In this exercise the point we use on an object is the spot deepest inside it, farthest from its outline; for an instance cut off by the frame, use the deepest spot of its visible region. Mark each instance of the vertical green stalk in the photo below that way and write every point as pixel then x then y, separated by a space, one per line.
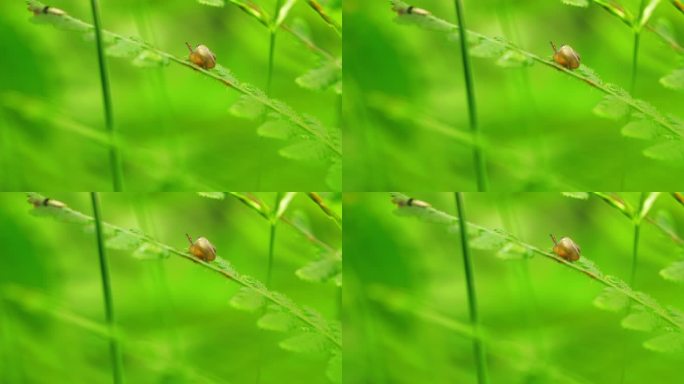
pixel 478 346
pixel 635 240
pixel 271 240
pixel 114 348
pixel 271 48
pixel 273 221
pixel 635 48
pixel 114 158
pixel 478 154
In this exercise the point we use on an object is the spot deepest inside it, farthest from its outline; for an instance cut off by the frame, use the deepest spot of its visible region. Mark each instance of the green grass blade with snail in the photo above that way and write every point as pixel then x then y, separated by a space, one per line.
pixel 674 127
pixel 583 266
pixel 310 319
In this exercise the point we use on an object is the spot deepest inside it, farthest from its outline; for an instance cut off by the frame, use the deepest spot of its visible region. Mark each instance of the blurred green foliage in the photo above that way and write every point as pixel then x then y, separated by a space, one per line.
pixel 406 120
pixel 176 322
pixel 405 305
pixel 174 122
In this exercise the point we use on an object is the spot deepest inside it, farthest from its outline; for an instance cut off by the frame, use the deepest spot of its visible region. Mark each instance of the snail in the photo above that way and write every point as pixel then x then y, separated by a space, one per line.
pixel 47 10
pixel 411 10
pixel 46 202
pixel 410 202
pixel 566 248
pixel 202 56
pixel 202 249
pixel 566 56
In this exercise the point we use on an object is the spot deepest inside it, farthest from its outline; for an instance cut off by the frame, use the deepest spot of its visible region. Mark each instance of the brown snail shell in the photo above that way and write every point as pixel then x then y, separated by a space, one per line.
pixel 566 56
pixel 202 249
pixel 566 248
pixel 202 56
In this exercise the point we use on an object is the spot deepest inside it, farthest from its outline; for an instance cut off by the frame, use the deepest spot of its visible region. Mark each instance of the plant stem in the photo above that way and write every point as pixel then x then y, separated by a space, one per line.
pixel 114 158
pixel 271 241
pixel 635 241
pixel 114 348
pixel 271 49
pixel 478 346
pixel 478 153
pixel 635 48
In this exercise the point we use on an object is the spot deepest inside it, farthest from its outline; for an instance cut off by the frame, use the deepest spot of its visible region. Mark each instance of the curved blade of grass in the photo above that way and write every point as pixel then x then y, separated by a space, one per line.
pixel 330 331
pixel 583 74
pixel 583 266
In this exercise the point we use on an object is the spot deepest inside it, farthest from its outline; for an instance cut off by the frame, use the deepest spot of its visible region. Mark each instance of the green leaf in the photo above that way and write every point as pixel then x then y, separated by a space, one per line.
pixel 247 107
pixel 674 272
pixel 301 27
pixel 487 240
pixel 611 107
pixel 283 11
pixel 334 370
pixel 278 321
pixel 306 342
pixel 305 150
pixel 647 12
pixel 640 129
pixel 149 59
pixel 577 195
pixel 664 28
pixel 247 299
pixel 277 129
pixel 672 150
pixel 124 49
pixel 213 195
pixel 514 59
pixel 334 177
pixel 648 204
pixel 577 3
pixel 213 3
pixel 640 320
pixel 123 241
pixel 610 299
pixel 320 270
pixel 487 49
pixel 321 78
pixel 513 251
pixel 674 80
pixel 667 343
pixel 149 251
pixel 665 220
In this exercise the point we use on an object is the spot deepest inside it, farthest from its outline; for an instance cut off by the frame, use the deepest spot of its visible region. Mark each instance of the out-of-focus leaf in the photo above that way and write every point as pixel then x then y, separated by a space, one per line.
pixel 640 129
pixel 247 107
pixel 513 251
pixel 672 150
pixel 306 342
pixel 320 270
pixel 149 59
pixel 610 107
pixel 213 195
pixel 213 3
pixel 640 320
pixel 279 321
pixel 334 177
pixel 334 370
pixel 674 272
pixel 321 78
pixel 674 80
pixel 487 240
pixel 577 195
pixel 149 251
pixel 667 343
pixel 514 59
pixel 305 150
pixel 577 3
pixel 124 48
pixel 247 299
pixel 123 241
pixel 277 129
pixel 487 49
pixel 611 299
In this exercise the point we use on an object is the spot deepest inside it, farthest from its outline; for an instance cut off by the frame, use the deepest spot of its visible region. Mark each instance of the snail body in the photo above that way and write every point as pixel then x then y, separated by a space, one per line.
pixel 202 56
pixel 566 248
pixel 202 249
pixel 566 56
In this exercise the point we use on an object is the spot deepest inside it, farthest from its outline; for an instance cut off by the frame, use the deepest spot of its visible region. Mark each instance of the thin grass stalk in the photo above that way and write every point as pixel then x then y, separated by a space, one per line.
pixel 271 241
pixel 478 153
pixel 478 346
pixel 114 156
pixel 114 348
pixel 635 47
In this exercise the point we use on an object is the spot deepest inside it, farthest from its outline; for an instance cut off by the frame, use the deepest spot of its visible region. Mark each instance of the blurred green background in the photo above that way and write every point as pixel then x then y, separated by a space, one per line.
pixel 406 309
pixel 177 323
pixel 405 100
pixel 179 134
